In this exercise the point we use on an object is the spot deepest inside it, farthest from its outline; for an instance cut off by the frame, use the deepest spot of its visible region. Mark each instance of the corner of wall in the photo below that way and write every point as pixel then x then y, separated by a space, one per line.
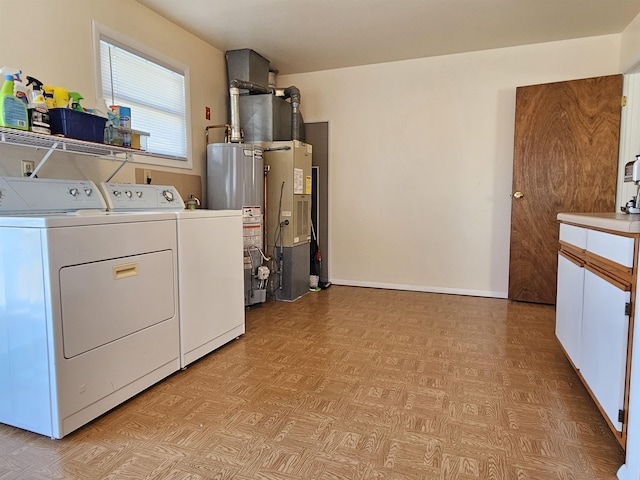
pixel 630 47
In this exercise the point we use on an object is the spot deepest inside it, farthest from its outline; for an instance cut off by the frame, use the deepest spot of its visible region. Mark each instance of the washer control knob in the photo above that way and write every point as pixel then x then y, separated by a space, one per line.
pixel 139 194
pixel 88 191
pixel 128 193
pixel 74 192
pixel 168 194
pixel 117 193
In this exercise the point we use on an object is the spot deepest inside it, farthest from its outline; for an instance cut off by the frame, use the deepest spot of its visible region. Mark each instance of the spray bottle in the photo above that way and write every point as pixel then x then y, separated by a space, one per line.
pixel 74 101
pixel 20 91
pixel 13 113
pixel 38 111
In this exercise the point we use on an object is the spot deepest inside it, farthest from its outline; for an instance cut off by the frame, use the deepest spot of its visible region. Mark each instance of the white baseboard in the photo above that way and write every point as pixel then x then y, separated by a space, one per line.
pixel 420 288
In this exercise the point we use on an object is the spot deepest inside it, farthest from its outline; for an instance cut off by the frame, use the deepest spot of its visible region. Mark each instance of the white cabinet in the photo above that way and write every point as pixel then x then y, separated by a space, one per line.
pixel 596 278
pixel 574 236
pixel 570 290
pixel 569 308
pixel 605 329
pixel 616 248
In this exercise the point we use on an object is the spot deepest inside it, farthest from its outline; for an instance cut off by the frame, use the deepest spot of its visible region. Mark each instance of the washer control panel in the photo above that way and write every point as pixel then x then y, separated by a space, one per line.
pixel 48 195
pixel 122 197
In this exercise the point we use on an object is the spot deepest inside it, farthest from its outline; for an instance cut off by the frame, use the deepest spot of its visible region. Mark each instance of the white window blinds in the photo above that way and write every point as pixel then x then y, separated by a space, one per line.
pixel 155 94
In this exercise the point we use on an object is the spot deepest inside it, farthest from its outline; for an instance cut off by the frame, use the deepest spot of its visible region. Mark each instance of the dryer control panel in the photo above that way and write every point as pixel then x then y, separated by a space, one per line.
pixel 121 197
pixel 48 195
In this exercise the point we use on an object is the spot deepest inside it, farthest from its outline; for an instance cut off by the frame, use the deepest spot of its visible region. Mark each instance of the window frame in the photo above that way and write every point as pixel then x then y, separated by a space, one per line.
pixel 102 32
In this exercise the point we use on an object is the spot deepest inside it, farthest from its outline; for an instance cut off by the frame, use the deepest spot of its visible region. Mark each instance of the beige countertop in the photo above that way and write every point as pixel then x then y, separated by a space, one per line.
pixel 617 222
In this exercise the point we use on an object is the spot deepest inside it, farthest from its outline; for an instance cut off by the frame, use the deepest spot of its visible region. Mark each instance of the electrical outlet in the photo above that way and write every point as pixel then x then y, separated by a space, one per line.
pixel 147 175
pixel 27 167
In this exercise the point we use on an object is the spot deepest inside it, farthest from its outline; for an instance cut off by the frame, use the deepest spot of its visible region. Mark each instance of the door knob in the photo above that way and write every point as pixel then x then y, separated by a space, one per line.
pixel 518 195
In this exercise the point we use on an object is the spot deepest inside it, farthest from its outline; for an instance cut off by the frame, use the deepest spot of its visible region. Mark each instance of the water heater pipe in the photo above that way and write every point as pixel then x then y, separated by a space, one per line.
pixel 234 92
pixel 294 93
pixel 227 129
pixel 267 169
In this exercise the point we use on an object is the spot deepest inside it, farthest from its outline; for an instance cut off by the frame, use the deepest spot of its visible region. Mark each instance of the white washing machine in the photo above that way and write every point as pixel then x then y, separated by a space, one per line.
pixel 88 304
pixel 210 271
pixel 211 280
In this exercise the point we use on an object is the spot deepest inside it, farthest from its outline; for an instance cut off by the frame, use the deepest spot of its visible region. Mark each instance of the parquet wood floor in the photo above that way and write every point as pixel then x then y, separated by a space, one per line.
pixel 351 383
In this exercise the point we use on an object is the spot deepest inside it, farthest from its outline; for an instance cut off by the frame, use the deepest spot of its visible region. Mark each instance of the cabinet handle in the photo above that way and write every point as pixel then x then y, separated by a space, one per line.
pixel 620 283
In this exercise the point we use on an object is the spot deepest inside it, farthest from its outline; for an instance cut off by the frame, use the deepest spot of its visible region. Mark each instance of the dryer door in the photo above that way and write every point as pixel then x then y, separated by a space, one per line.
pixel 104 301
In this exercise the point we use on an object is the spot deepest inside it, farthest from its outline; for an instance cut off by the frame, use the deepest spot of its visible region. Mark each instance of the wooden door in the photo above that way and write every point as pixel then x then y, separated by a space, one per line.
pixel 565 160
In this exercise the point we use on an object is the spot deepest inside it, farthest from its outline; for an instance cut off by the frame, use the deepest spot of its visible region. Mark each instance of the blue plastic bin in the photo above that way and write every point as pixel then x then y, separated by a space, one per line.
pixel 75 124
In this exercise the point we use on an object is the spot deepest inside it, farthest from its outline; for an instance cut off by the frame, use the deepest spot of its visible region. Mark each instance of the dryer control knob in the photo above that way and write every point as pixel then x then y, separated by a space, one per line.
pixel 88 191
pixel 74 192
pixel 168 195
pixel 128 193
pixel 139 194
pixel 117 193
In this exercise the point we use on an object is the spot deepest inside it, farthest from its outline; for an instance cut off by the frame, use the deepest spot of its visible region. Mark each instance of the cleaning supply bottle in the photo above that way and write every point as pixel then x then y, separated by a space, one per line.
pixel 38 111
pixel 60 97
pixel 48 95
pixel 13 112
pixel 74 102
pixel 20 91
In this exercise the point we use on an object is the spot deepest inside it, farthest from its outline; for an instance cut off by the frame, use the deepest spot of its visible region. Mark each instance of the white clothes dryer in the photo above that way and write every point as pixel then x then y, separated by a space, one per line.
pixel 88 304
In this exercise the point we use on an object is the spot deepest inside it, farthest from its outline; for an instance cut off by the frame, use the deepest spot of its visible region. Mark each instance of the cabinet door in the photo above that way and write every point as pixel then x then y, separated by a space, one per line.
pixel 569 308
pixel 604 343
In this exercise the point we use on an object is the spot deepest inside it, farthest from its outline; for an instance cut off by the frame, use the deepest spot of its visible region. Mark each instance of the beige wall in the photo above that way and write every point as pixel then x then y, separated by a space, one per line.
pixel 56 46
pixel 630 122
pixel 630 46
pixel 420 151
pixel 421 156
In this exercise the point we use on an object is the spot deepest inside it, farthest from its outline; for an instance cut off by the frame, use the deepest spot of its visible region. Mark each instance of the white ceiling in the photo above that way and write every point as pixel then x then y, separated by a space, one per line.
pixel 309 35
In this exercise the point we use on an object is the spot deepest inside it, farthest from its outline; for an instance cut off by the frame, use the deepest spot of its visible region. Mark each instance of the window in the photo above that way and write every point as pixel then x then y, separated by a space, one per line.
pixel 155 90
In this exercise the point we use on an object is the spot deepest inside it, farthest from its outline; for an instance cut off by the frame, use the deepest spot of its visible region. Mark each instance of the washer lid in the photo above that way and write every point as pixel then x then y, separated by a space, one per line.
pixel 204 213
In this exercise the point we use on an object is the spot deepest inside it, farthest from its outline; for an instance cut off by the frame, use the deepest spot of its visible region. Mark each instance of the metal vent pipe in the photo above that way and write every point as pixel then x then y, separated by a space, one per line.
pixel 294 93
pixel 234 92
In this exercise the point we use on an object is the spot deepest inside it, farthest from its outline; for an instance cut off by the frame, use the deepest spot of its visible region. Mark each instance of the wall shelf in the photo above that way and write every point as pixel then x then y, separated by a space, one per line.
pixel 52 143
pixel 23 138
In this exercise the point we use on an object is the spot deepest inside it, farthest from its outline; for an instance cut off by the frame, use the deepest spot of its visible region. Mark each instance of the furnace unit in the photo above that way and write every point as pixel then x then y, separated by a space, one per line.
pixel 289 216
